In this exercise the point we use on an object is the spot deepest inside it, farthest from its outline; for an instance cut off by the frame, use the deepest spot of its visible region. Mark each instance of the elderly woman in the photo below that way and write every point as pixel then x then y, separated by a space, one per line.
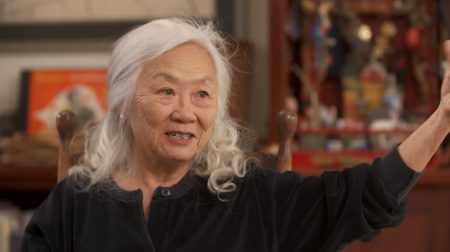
pixel 164 170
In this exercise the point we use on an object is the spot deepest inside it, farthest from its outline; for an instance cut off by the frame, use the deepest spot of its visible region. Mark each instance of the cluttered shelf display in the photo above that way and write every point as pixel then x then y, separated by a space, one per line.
pixel 29 149
pixel 29 154
pixel 362 75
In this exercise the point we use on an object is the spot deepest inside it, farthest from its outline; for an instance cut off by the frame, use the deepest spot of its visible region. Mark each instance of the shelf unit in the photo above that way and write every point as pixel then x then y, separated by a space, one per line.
pixel 426 227
pixel 284 53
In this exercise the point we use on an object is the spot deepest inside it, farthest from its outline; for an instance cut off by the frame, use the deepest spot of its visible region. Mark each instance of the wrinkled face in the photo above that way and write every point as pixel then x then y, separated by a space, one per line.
pixel 175 104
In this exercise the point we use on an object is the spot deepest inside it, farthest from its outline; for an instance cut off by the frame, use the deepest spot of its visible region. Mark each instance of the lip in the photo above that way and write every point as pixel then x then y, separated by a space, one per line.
pixel 180 141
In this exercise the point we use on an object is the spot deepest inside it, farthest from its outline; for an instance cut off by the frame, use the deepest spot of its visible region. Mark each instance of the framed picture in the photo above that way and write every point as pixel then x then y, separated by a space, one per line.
pixel 46 92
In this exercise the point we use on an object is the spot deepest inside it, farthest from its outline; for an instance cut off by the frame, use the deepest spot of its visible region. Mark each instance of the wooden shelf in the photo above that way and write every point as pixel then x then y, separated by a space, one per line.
pixel 349 131
pixel 429 179
pixel 323 159
pixel 15 178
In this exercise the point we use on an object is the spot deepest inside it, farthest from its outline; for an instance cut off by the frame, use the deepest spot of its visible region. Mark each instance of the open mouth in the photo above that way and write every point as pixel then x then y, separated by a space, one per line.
pixel 179 135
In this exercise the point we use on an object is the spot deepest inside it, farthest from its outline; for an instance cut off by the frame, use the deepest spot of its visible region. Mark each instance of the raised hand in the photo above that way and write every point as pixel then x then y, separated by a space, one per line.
pixel 417 150
pixel 445 89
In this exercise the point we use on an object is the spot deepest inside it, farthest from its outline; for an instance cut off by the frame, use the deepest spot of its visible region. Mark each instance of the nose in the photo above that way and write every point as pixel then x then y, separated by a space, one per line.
pixel 184 110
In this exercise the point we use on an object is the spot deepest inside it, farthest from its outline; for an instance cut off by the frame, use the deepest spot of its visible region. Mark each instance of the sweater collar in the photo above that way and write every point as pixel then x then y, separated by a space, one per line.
pixel 178 189
pixel 163 193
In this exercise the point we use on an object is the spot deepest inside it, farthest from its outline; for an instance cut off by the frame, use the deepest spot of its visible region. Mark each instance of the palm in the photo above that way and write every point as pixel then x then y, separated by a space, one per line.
pixel 445 89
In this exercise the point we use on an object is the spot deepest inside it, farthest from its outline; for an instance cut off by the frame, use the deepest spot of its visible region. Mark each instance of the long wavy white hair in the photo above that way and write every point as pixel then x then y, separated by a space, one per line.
pixel 110 145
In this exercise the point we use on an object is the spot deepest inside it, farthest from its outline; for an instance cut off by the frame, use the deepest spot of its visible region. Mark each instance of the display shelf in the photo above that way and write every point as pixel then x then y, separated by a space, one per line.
pixel 324 160
pixel 321 148
pixel 349 131
pixel 297 39
pixel 429 179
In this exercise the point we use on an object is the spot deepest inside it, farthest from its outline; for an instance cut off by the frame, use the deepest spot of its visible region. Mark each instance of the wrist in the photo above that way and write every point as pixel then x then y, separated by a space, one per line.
pixel 443 118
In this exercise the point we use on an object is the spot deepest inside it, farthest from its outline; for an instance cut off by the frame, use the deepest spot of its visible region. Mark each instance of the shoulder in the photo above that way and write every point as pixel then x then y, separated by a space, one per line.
pixel 56 209
pixel 67 199
pixel 72 186
pixel 53 219
pixel 61 197
pixel 74 194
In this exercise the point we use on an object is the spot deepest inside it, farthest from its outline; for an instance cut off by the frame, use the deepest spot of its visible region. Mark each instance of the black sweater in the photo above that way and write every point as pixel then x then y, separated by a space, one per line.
pixel 269 211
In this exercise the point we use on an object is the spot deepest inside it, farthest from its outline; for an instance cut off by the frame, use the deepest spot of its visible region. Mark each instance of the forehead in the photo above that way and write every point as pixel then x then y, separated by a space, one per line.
pixel 186 61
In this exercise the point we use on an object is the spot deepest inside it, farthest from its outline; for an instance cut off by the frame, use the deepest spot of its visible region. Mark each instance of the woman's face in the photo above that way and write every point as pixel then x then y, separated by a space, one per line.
pixel 175 105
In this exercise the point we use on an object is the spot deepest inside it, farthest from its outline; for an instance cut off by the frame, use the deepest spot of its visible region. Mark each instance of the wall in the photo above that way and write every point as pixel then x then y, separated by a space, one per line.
pixel 250 23
pixel 16 56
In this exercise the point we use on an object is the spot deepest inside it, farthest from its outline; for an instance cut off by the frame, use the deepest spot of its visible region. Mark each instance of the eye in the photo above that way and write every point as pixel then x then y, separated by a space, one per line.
pixel 167 91
pixel 202 94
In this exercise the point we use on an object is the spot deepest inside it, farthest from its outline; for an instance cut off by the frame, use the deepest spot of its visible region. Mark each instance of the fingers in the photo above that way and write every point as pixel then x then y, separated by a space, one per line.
pixel 445 88
pixel 447 53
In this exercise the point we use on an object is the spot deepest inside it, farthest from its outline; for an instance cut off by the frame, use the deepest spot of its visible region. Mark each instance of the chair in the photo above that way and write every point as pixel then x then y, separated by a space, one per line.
pixel 72 142
pixel 66 126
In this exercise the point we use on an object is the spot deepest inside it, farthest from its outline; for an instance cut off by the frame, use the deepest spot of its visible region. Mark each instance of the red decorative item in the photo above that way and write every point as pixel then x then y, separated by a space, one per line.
pixel 413 37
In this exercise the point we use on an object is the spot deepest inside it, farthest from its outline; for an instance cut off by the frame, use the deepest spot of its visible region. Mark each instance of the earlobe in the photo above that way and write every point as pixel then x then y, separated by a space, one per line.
pixel 120 110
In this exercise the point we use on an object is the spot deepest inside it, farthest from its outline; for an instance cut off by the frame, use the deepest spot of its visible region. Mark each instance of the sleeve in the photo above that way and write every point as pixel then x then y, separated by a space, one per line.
pixel 324 213
pixel 397 176
pixel 46 230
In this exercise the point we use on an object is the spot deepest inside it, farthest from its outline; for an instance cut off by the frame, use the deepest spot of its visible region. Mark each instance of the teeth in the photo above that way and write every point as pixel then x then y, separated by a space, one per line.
pixel 179 135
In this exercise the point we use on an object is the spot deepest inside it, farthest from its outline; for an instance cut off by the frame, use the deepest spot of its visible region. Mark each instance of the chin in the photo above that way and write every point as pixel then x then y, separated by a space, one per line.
pixel 181 158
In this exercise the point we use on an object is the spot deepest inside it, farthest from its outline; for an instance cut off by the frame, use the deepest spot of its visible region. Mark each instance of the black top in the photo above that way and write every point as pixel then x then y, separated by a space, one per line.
pixel 269 211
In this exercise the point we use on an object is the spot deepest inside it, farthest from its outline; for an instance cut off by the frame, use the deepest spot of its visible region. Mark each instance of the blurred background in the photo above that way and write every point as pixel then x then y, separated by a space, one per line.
pixel 360 75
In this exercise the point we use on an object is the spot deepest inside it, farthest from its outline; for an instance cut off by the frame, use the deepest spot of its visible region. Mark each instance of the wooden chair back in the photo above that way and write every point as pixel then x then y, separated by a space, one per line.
pixel 66 126
pixel 72 141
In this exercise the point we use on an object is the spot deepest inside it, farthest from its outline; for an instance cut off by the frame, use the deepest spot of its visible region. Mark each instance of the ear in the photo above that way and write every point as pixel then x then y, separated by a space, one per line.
pixel 120 110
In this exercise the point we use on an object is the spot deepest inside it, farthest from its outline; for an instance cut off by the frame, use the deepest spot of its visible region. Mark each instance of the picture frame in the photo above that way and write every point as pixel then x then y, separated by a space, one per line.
pixel 46 92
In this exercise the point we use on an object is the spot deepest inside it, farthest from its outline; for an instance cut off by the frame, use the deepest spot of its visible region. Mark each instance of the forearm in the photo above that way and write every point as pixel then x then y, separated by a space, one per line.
pixel 417 150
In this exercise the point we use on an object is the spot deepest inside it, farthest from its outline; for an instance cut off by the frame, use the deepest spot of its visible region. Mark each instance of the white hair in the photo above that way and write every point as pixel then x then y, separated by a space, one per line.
pixel 110 145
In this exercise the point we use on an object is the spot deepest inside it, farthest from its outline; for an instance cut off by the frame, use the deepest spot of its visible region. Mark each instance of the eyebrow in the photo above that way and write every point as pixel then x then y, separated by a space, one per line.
pixel 173 79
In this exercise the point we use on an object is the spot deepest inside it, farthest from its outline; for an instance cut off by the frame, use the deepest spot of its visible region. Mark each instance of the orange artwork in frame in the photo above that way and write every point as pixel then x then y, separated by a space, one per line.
pixel 46 92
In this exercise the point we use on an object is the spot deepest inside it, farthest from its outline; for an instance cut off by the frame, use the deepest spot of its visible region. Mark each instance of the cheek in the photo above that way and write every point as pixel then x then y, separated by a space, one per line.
pixel 206 120
pixel 148 111
pixel 145 126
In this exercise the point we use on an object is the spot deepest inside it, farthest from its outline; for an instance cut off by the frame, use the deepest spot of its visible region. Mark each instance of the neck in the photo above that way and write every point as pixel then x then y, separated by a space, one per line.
pixel 166 175
pixel 148 178
pixel 152 172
